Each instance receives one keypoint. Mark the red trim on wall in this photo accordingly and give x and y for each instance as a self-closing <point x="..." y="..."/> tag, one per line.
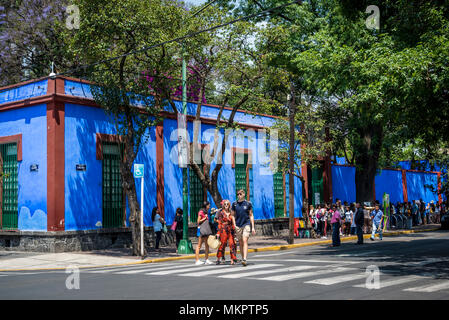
<point x="17" y="138"/>
<point x="160" y="167"/>
<point x="440" y="198"/>
<point x="404" y="185"/>
<point x="104" y="137"/>
<point x="244" y="151"/>
<point x="55" y="167"/>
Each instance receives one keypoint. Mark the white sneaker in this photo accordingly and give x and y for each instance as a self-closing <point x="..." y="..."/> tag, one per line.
<point x="199" y="262"/>
<point x="208" y="262"/>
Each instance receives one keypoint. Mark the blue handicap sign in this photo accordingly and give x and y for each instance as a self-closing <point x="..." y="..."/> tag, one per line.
<point x="138" y="170"/>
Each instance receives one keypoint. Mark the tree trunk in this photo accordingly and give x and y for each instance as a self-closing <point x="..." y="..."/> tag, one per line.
<point x="131" y="192"/>
<point x="366" y="158"/>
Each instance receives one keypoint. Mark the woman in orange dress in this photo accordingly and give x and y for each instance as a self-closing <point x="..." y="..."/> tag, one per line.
<point x="226" y="232"/>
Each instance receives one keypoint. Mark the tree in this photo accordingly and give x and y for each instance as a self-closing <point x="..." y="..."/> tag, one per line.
<point x="31" y="39"/>
<point x="135" y="87"/>
<point x="234" y="61"/>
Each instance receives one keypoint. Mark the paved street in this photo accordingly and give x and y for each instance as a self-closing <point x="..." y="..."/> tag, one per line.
<point x="410" y="267"/>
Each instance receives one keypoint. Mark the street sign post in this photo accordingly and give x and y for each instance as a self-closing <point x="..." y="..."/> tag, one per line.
<point x="139" y="173"/>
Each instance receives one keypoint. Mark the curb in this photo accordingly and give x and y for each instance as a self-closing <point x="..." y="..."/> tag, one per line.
<point x="272" y="248"/>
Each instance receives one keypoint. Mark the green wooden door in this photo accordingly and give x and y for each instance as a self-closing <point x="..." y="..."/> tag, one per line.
<point x="196" y="193"/>
<point x="113" y="209"/>
<point x="8" y="187"/>
<point x="278" y="186"/>
<point x="317" y="186"/>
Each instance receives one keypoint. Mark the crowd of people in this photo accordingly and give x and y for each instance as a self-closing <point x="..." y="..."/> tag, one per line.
<point x="236" y="221"/>
<point x="341" y="219"/>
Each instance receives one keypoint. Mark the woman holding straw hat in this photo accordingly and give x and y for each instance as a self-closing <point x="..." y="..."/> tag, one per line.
<point x="226" y="232"/>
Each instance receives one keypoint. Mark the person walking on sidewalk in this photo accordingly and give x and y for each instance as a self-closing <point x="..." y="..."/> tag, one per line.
<point x="158" y="222"/>
<point x="179" y="226"/>
<point x="226" y="232"/>
<point x="205" y="232"/>
<point x="376" y="216"/>
<point x="242" y="210"/>
<point x="359" y="222"/>
<point x="335" y="222"/>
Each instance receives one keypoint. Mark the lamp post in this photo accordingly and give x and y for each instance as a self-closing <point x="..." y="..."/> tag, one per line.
<point x="185" y="245"/>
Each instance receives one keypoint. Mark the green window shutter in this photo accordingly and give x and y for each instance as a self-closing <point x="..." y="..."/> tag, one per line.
<point x="9" y="186"/>
<point x="113" y="208"/>
<point x="278" y="186"/>
<point x="196" y="193"/>
<point x="317" y="186"/>
<point x="240" y="175"/>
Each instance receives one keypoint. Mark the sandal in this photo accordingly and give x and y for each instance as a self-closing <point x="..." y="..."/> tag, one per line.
<point x="218" y="262"/>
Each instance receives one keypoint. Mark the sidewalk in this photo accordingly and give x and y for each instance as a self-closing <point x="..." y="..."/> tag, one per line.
<point x="14" y="260"/>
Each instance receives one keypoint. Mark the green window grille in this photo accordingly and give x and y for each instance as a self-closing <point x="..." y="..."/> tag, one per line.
<point x="242" y="174"/>
<point x="8" y="187"/>
<point x="113" y="208"/>
<point x="196" y="193"/>
<point x="278" y="186"/>
<point x="317" y="186"/>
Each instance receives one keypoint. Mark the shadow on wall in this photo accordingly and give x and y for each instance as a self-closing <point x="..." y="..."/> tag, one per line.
<point x="147" y="156"/>
<point x="85" y="187"/>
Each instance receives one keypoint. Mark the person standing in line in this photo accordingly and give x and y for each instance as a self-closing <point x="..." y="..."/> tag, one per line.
<point x="422" y="211"/>
<point x="318" y="218"/>
<point x="353" y="225"/>
<point x="226" y="232"/>
<point x="335" y="222"/>
<point x="323" y="215"/>
<point x="157" y="226"/>
<point x="203" y="218"/>
<point x="242" y="210"/>
<point x="414" y="210"/>
<point x="359" y="218"/>
<point x="348" y="220"/>
<point x="376" y="216"/>
<point x="179" y="226"/>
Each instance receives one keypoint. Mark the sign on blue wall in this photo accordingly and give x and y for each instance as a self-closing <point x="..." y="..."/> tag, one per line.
<point x="138" y="170"/>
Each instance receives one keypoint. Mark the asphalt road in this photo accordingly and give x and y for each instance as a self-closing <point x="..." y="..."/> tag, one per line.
<point x="412" y="266"/>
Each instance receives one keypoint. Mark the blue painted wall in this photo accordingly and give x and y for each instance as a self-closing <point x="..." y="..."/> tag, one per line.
<point x="31" y="122"/>
<point x="262" y="185"/>
<point x="343" y="184"/>
<point x="23" y="92"/>
<point x="83" y="189"/>
<point x="389" y="181"/>
<point x="416" y="189"/>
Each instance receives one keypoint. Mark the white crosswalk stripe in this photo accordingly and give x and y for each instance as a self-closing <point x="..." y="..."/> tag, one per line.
<point x="154" y="268"/>
<point x="233" y="269"/>
<point x="135" y="267"/>
<point x="259" y="272"/>
<point x="430" y="288"/>
<point x="337" y="279"/>
<point x="189" y="269"/>
<point x="394" y="282"/>
<point x="309" y="274"/>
